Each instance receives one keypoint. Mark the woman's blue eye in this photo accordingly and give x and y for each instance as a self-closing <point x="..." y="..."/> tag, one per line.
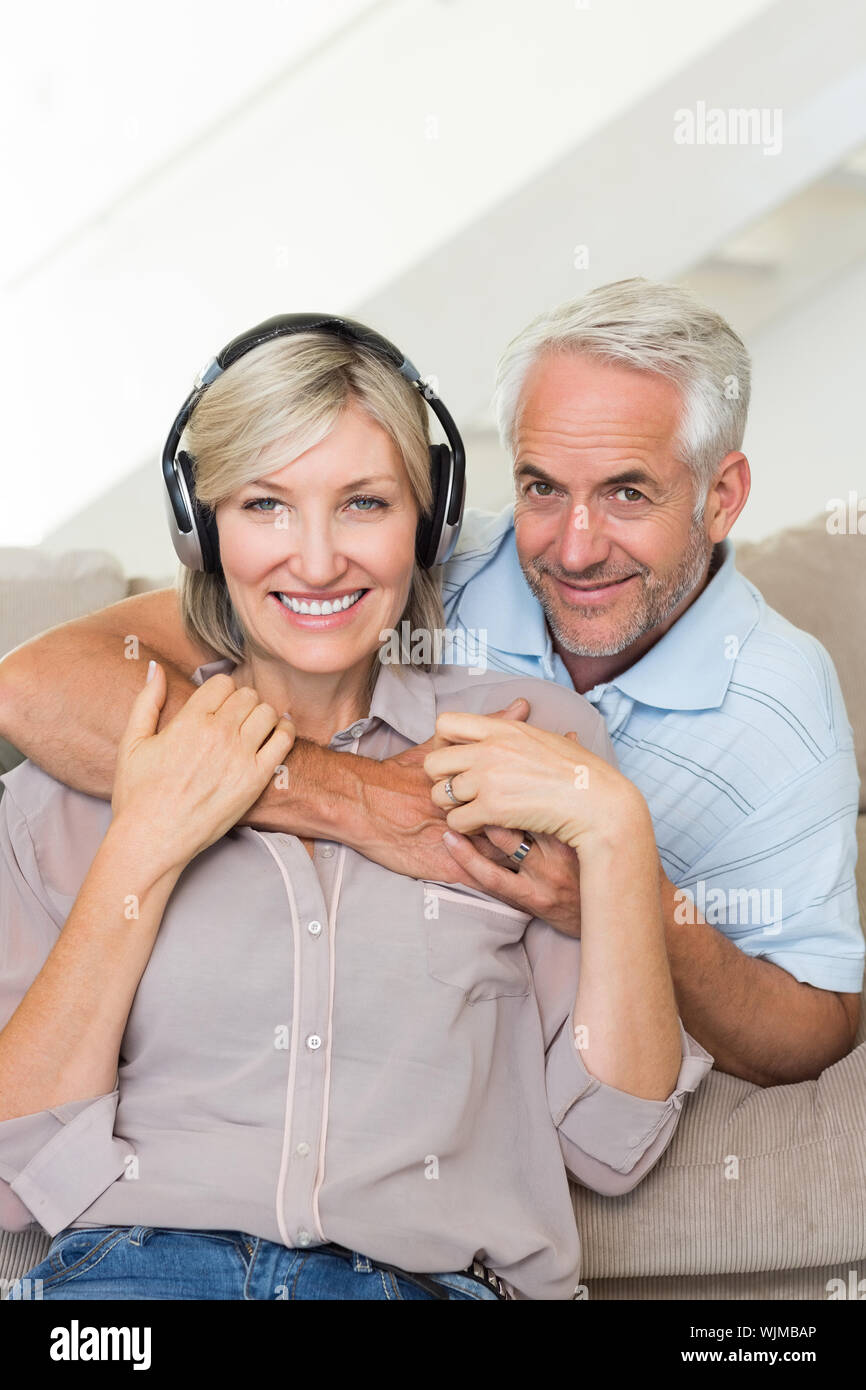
<point x="255" y="505"/>
<point x="376" y="501"/>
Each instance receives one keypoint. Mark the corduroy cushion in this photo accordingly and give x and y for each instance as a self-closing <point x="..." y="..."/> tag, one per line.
<point x="818" y="582"/>
<point x="40" y="589"/>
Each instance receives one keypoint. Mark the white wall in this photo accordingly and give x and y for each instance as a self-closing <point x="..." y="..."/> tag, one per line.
<point x="805" y="438"/>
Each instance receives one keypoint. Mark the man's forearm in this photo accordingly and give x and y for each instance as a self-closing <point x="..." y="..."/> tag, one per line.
<point x="756" y="1019"/>
<point x="65" y="700"/>
<point x="66" y="706"/>
<point x="381" y="809"/>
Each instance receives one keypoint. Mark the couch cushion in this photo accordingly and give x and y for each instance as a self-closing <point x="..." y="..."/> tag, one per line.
<point x="40" y="589"/>
<point x="818" y="582"/>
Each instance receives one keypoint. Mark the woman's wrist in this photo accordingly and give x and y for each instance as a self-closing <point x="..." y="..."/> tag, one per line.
<point x="624" y="822"/>
<point x="152" y="860"/>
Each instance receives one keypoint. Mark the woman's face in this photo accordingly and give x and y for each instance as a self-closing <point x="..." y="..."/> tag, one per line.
<point x="334" y="530"/>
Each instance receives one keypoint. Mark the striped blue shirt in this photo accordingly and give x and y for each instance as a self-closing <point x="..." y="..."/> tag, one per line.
<point x="734" y="729"/>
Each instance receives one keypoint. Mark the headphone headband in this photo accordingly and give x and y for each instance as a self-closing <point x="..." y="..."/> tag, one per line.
<point x="193" y="530"/>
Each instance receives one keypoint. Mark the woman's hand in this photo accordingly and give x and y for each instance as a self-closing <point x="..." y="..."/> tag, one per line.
<point x="178" y="791"/>
<point x="512" y="774"/>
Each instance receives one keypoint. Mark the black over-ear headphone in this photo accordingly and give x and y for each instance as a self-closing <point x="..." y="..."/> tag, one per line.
<point x="193" y="527"/>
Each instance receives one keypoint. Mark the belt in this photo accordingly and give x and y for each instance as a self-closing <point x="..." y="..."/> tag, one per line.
<point x="476" y="1270"/>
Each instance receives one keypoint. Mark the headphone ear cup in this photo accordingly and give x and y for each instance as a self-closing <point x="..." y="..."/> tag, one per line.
<point x="430" y="527"/>
<point x="204" y="523"/>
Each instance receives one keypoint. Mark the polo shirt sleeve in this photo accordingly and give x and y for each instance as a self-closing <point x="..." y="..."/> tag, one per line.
<point x="780" y="884"/>
<point x="56" y="1162"/>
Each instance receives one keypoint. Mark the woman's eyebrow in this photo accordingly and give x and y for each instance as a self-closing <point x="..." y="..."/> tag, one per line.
<point x="369" y="481"/>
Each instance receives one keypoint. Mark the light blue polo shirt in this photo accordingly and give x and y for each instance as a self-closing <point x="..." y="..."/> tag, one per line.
<point x="734" y="729"/>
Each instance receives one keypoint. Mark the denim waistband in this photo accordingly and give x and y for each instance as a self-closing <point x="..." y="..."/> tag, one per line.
<point x="476" y="1271"/>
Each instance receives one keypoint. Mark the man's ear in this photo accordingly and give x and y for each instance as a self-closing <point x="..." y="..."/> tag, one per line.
<point x="727" y="495"/>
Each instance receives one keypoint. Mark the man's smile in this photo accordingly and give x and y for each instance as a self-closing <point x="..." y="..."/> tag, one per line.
<point x="596" y="593"/>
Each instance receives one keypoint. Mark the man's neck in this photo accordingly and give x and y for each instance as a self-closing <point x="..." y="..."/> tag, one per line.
<point x="589" y="671"/>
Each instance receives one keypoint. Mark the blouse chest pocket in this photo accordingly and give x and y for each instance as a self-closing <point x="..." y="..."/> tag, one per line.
<point x="475" y="944"/>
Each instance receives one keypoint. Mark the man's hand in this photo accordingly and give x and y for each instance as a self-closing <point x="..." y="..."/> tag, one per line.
<point x="410" y="825"/>
<point x="546" y="884"/>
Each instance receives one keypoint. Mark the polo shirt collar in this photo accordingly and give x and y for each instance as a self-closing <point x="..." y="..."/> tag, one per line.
<point x="499" y="601"/>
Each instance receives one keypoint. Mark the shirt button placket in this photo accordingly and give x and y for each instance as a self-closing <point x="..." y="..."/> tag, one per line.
<point x="307" y="1102"/>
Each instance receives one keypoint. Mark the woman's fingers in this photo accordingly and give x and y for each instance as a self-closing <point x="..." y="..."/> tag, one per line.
<point x="240" y="703"/>
<point x="468" y="728"/>
<point x="144" y="715"/>
<point x="254" y="729"/>
<point x="445" y="762"/>
<point x="274" y="749"/>
<point x="464" y="787"/>
<point x="210" y="695"/>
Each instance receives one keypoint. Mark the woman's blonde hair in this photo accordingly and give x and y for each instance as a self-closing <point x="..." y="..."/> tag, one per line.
<point x="293" y="390"/>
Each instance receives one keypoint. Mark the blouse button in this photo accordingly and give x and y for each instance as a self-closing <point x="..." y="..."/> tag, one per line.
<point x="303" y="1148"/>
<point x="327" y="851"/>
<point x="304" y="1237"/>
<point x="356" y="730"/>
<point x="314" y="928"/>
<point x="314" y="1042"/>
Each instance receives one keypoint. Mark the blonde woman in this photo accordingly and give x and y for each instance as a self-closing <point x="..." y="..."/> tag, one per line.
<point x="235" y="1064"/>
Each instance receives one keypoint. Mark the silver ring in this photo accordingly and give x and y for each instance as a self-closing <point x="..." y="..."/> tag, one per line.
<point x="449" y="793"/>
<point x="523" y="848"/>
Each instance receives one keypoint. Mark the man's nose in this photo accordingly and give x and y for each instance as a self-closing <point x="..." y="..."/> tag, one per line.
<point x="581" y="542"/>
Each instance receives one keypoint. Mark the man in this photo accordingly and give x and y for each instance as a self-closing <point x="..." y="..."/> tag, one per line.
<point x="623" y="414"/>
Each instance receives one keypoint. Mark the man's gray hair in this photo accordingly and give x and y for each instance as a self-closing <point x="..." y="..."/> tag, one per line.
<point x="655" y="328"/>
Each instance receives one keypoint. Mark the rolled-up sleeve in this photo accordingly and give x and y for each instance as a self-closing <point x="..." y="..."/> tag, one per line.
<point x="53" y="1163"/>
<point x="609" y="1139"/>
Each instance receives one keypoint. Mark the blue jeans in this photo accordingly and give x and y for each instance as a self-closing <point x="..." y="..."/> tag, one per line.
<point x="145" y="1262"/>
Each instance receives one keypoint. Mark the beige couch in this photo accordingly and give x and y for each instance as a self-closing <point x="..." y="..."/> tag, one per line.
<point x="795" y="1217"/>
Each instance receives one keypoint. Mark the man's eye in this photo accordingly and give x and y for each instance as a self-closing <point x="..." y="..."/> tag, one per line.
<point x="257" y="504"/>
<point x="538" y="484"/>
<point x="634" y="490"/>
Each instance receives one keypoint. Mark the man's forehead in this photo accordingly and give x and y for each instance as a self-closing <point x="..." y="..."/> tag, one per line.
<point x="571" y="395"/>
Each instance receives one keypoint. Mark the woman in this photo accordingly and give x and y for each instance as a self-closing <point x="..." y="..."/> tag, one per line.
<point x="236" y="1064"/>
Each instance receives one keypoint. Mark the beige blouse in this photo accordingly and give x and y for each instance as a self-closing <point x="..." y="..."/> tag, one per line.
<point x="322" y="1049"/>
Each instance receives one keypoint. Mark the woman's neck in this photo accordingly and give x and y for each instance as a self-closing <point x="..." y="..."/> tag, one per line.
<point x="321" y="704"/>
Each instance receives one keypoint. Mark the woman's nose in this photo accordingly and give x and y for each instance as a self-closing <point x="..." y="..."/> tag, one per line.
<point x="313" y="556"/>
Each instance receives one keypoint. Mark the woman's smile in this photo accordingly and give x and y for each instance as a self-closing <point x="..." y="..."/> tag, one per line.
<point x="320" y="612"/>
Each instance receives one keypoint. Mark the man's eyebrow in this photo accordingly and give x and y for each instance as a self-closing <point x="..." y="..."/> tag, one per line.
<point x="370" y="481"/>
<point x="628" y="477"/>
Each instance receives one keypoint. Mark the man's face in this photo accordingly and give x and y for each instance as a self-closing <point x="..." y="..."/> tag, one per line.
<point x="603" y="511"/>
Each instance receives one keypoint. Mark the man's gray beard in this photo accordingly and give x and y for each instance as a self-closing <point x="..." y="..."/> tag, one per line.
<point x="659" y="600"/>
